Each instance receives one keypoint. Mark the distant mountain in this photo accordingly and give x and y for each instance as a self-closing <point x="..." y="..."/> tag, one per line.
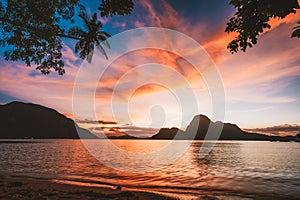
<point x="124" y="137"/>
<point x="167" y="133"/>
<point x="200" y="125"/>
<point x="25" y="120"/>
<point x="297" y="138"/>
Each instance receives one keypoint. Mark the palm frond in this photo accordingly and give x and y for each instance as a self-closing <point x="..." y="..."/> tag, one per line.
<point x="101" y="49"/>
<point x="90" y="56"/>
<point x="106" y="43"/>
<point x="86" y="20"/>
<point x="77" y="32"/>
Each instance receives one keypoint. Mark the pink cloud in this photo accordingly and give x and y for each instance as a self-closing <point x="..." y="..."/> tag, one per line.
<point x="119" y="24"/>
<point x="248" y="77"/>
<point x="139" y="24"/>
<point x="279" y="130"/>
<point x="103" y="20"/>
<point x="69" y="54"/>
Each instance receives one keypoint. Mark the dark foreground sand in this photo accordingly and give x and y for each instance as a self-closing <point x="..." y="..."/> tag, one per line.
<point x="31" y="188"/>
<point x="28" y="187"/>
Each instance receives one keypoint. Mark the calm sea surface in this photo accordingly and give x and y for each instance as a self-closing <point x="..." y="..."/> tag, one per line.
<point x="266" y="170"/>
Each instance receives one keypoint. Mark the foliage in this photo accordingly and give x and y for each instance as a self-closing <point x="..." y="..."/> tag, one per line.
<point x="252" y="17"/>
<point x="115" y="7"/>
<point x="296" y="32"/>
<point x="90" y="38"/>
<point x="32" y="30"/>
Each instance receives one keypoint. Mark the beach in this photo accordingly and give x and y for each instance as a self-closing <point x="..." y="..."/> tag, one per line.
<point x="27" y="188"/>
<point x="18" y="187"/>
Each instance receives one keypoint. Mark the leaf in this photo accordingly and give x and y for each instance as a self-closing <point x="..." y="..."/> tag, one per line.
<point x="113" y="7"/>
<point x="100" y="48"/>
<point x="106" y="43"/>
<point x="296" y="33"/>
<point x="90" y="56"/>
<point x="252" y="19"/>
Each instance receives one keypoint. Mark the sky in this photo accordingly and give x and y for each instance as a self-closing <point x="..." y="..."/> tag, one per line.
<point x="261" y="86"/>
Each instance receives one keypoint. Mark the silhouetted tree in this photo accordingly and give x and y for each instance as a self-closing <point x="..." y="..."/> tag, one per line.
<point x="32" y="30"/>
<point x="113" y="7"/>
<point x="88" y="40"/>
<point x="252" y="18"/>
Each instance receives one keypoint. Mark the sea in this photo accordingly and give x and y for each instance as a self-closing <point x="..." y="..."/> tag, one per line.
<point x="226" y="170"/>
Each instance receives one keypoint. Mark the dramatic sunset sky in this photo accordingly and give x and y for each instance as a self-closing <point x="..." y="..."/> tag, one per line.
<point x="261" y="85"/>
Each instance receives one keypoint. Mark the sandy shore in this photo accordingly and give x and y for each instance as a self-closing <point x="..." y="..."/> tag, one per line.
<point x="32" y="188"/>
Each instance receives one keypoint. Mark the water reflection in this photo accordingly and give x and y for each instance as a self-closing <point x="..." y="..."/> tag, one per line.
<point x="146" y="146"/>
<point x="143" y="155"/>
<point x="256" y="168"/>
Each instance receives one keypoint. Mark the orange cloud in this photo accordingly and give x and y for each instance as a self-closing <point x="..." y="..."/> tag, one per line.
<point x="69" y="115"/>
<point x="248" y="77"/>
<point x="215" y="43"/>
<point x="279" y="130"/>
<point x="291" y="18"/>
<point x="146" y="89"/>
<point x="126" y="63"/>
<point x="28" y="84"/>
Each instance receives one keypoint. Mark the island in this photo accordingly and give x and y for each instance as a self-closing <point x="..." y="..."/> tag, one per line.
<point x="20" y="120"/>
<point x="31" y="121"/>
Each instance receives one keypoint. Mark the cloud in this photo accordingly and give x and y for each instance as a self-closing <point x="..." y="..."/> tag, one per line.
<point x="88" y="121"/>
<point x="69" y="115"/>
<point x="250" y="77"/>
<point x="119" y="25"/>
<point x="212" y="37"/>
<point x="139" y="131"/>
<point x="125" y="74"/>
<point x="264" y="70"/>
<point x="103" y="20"/>
<point x="139" y="24"/>
<point x="68" y="54"/>
<point x="148" y="88"/>
<point x="48" y="90"/>
<point x="113" y="129"/>
<point x="281" y="130"/>
<point x="108" y="131"/>
<point x="106" y="122"/>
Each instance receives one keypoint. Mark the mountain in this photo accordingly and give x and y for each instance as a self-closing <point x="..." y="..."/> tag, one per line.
<point x="200" y="125"/>
<point x="167" y="133"/>
<point x="297" y="138"/>
<point x="124" y="137"/>
<point x="25" y="120"/>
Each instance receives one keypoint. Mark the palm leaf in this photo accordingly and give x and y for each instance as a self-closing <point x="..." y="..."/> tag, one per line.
<point x="106" y="43"/>
<point x="86" y="20"/>
<point x="77" y="32"/>
<point x="90" y="56"/>
<point x="100" y="48"/>
<point x="296" y="33"/>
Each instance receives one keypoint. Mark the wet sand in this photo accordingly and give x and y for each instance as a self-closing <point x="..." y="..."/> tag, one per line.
<point x="32" y="188"/>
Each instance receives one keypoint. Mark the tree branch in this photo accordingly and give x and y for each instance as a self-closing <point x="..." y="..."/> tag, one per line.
<point x="37" y="31"/>
<point x="68" y="36"/>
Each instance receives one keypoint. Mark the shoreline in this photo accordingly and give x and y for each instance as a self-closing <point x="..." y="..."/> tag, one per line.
<point x="19" y="187"/>
<point x="30" y="186"/>
<point x="25" y="187"/>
